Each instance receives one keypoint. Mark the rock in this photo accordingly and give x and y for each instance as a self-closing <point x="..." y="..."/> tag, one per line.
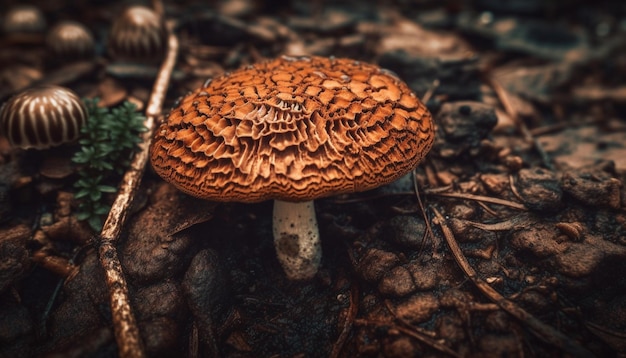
<point x="495" y="183"/>
<point x="84" y="306"/>
<point x="418" y="308"/>
<point x="455" y="298"/>
<point x="407" y="230"/>
<point x="160" y="299"/>
<point x="461" y="126"/>
<point x="544" y="40"/>
<point x="538" y="38"/>
<point x="205" y="290"/>
<point x="397" y="283"/>
<point x="402" y="347"/>
<point x="158" y="244"/>
<point x="498" y="321"/>
<point x="534" y="302"/>
<point x="536" y="83"/>
<point x="14" y="258"/>
<point x="458" y="76"/>
<point x="425" y="275"/>
<point x="375" y="263"/>
<point x="150" y="255"/>
<point x="593" y="188"/>
<point x="15" y="323"/>
<point x="462" y="211"/>
<point x="610" y="314"/>
<point x="540" y="239"/>
<point x="496" y="345"/>
<point x="160" y="336"/>
<point x="451" y="327"/>
<point x="584" y="258"/>
<point x="540" y="189"/>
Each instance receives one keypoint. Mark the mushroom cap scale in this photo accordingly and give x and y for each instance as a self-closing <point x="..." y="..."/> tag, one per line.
<point x="293" y="129"/>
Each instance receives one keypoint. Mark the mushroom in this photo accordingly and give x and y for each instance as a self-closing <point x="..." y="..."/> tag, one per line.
<point x="69" y="40"/>
<point x="42" y="117"/>
<point x="138" y="35"/>
<point x="24" y="19"/>
<point x="293" y="130"/>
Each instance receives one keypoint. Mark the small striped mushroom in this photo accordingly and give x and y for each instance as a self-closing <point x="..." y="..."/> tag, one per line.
<point x="42" y="117"/>
<point x="138" y="35"/>
<point x="23" y="19"/>
<point x="293" y="130"/>
<point x="69" y="40"/>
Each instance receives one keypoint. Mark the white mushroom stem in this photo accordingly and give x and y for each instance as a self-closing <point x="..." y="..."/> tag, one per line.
<point x="297" y="239"/>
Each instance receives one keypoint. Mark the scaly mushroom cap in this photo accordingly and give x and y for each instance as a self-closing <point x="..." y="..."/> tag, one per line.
<point x="293" y="129"/>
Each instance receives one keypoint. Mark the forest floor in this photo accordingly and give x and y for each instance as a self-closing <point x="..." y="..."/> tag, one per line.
<point x="519" y="250"/>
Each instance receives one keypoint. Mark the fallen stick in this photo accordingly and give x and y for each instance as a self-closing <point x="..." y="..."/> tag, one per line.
<point x="541" y="330"/>
<point x="124" y="323"/>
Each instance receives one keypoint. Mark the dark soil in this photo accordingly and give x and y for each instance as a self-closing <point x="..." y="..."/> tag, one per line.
<point x="520" y="249"/>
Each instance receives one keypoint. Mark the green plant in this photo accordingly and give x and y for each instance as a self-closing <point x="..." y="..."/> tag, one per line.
<point x="107" y="143"/>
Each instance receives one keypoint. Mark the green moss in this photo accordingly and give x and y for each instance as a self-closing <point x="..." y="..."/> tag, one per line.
<point x="108" y="141"/>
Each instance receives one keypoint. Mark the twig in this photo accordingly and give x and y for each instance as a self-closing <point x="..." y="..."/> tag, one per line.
<point x="124" y="323"/>
<point x="419" y="333"/>
<point x="66" y="270"/>
<point x="431" y="90"/>
<point x="522" y="220"/>
<point x="503" y="96"/>
<point x="487" y="209"/>
<point x="541" y="330"/>
<point x="59" y="265"/>
<point x="482" y="198"/>
<point x="428" y="341"/>
<point x="347" y="323"/>
<point x="441" y="191"/>
<point x="413" y="331"/>
<point x="514" y="188"/>
<point x="554" y="128"/>
<point x="429" y="229"/>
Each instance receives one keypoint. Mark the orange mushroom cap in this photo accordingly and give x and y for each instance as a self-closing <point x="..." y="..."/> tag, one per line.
<point x="293" y="129"/>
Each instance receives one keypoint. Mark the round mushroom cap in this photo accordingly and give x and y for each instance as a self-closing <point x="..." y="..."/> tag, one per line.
<point x="139" y="34"/>
<point x="69" y="40"/>
<point x="42" y="117"/>
<point x="293" y="129"/>
<point x="24" y="19"/>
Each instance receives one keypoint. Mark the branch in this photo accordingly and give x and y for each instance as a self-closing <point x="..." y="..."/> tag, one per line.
<point x="124" y="323"/>
<point x="541" y="330"/>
